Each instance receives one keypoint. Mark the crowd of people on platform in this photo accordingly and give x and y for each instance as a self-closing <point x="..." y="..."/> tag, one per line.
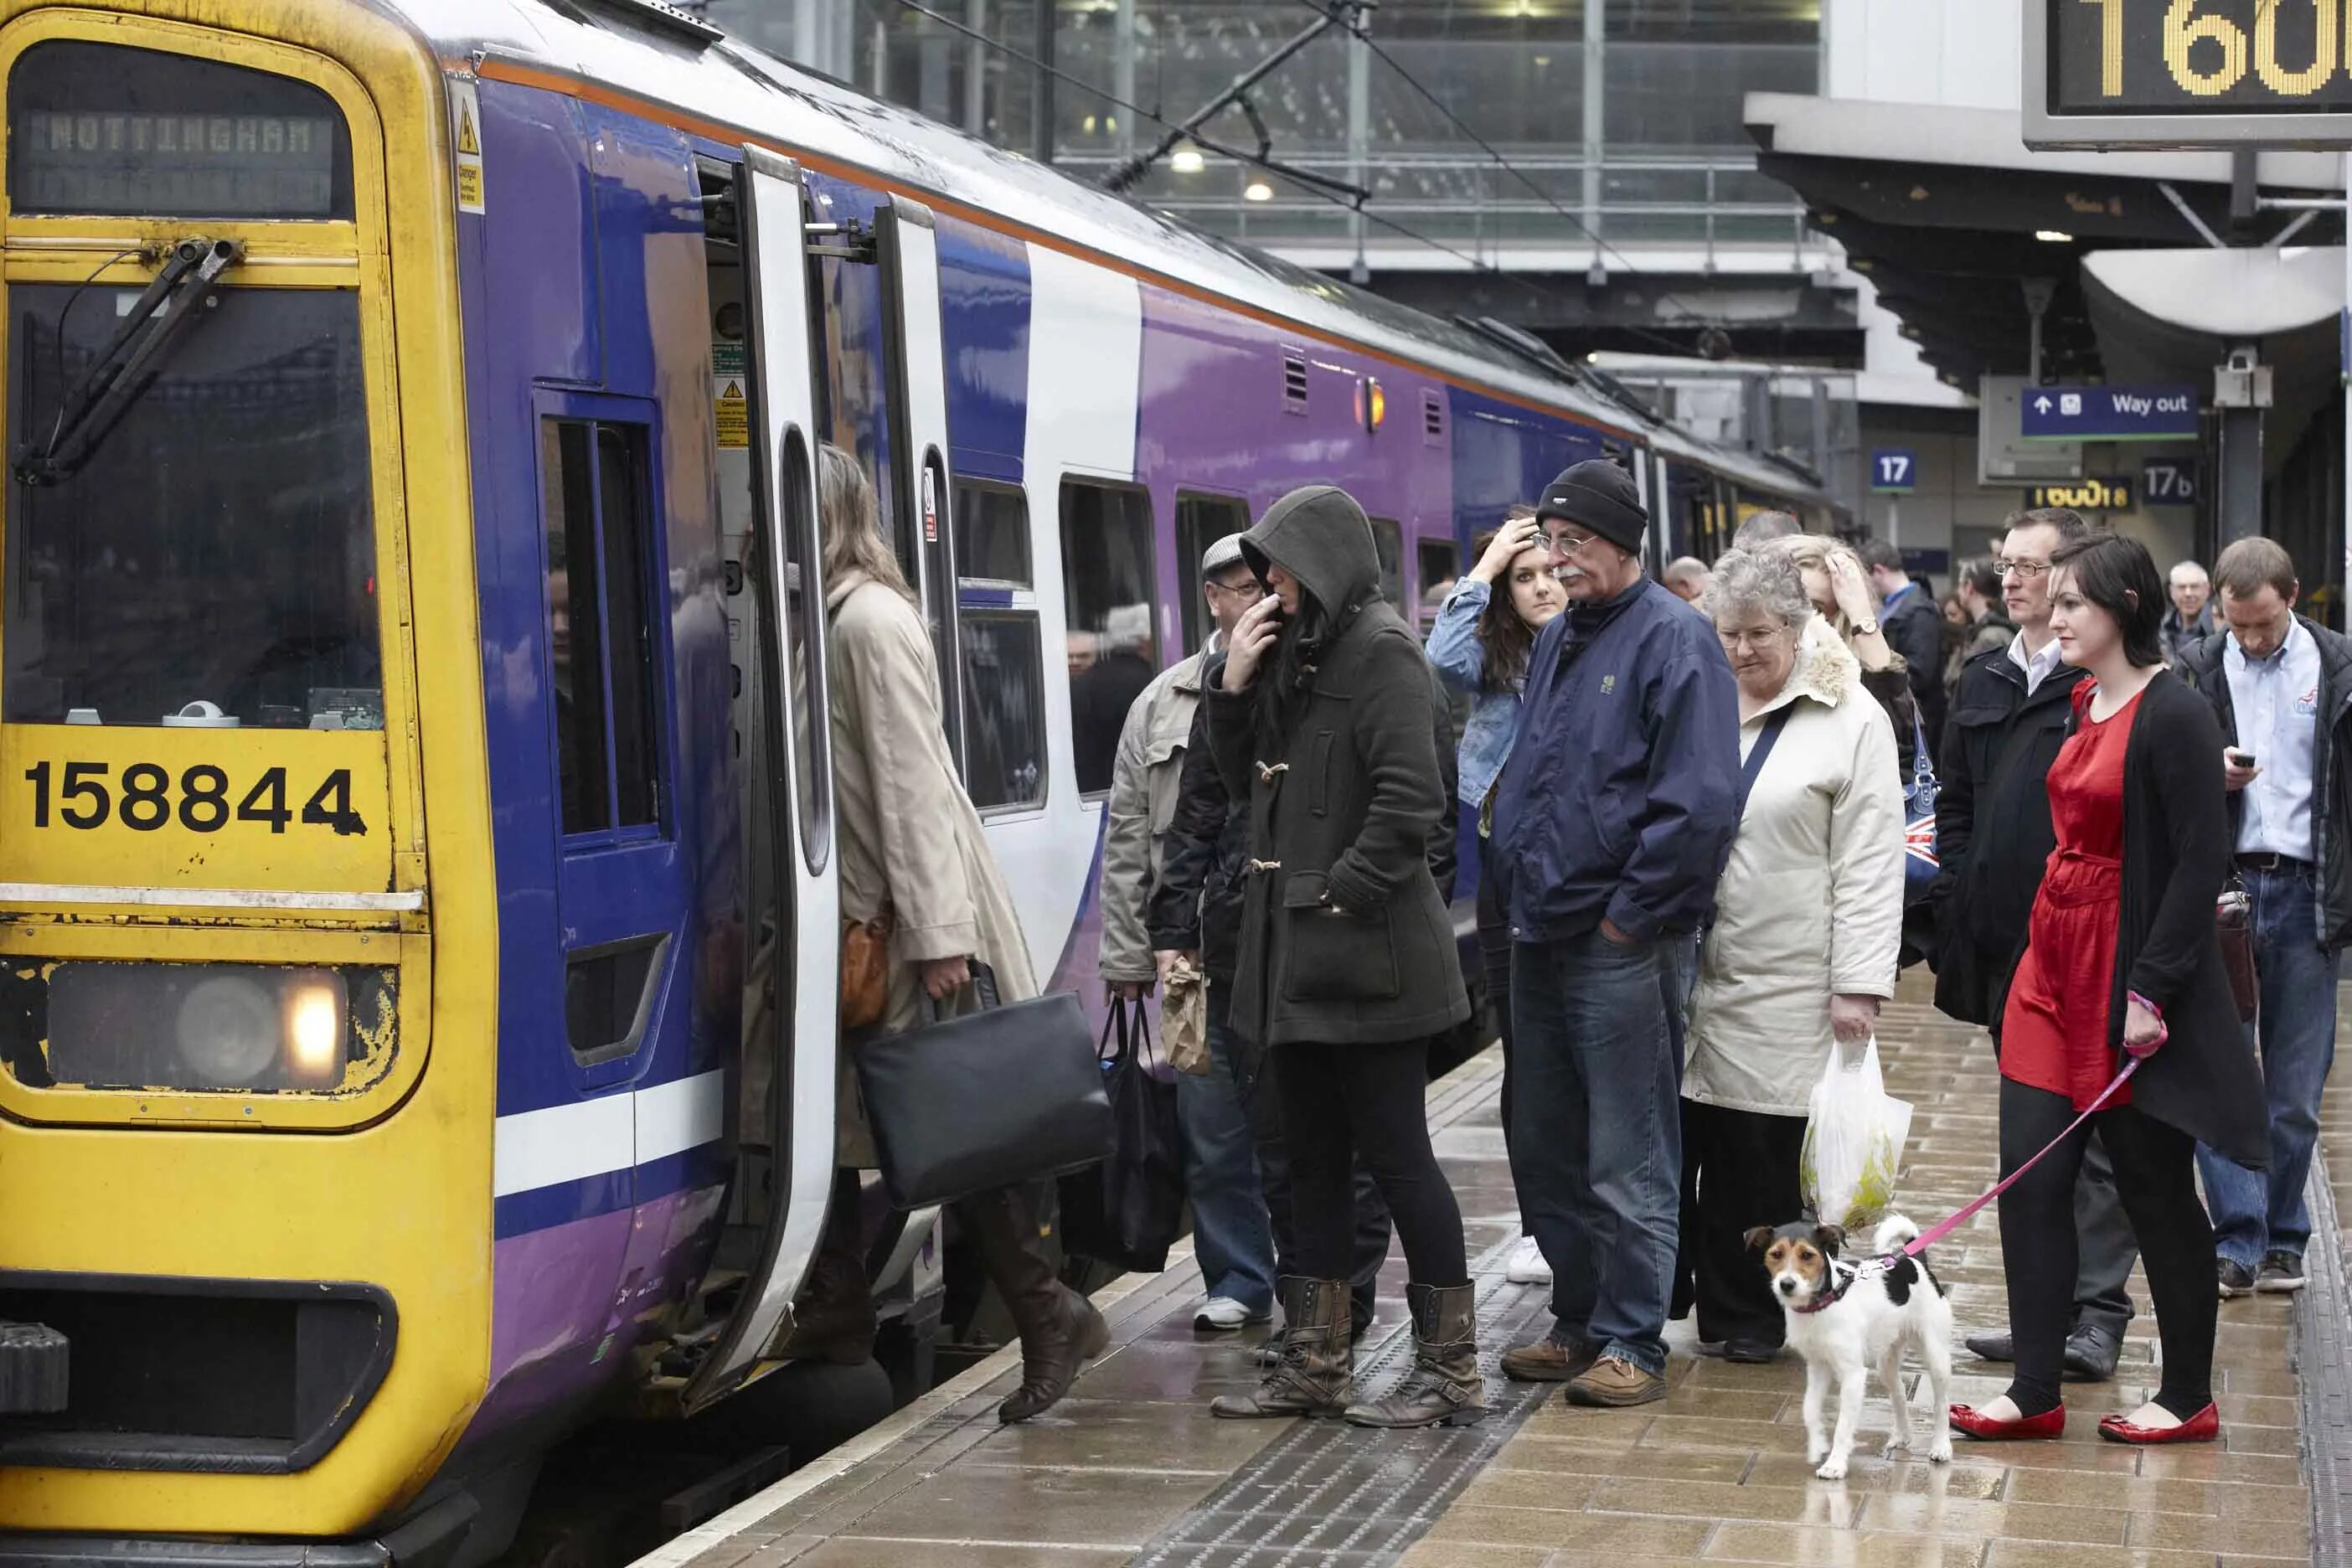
<point x="1689" y="799"/>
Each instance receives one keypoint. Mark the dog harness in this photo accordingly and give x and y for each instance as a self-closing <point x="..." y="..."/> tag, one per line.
<point x="1841" y="1283"/>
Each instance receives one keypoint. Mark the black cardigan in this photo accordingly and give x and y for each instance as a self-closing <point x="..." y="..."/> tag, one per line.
<point x="2204" y="1081"/>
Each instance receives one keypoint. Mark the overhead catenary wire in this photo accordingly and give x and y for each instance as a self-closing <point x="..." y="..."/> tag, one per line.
<point x="1476" y="263"/>
<point x="1362" y="35"/>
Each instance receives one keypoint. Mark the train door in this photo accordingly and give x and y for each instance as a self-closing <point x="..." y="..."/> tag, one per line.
<point x="795" y="969"/>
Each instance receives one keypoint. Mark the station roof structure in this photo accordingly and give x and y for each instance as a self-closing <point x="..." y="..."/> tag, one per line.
<point x="1951" y="217"/>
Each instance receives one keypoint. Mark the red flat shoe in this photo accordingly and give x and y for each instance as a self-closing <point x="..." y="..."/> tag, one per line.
<point x="1984" y="1428"/>
<point x="2205" y="1426"/>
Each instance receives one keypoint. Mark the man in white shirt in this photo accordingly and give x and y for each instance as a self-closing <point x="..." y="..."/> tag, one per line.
<point x="2281" y="687"/>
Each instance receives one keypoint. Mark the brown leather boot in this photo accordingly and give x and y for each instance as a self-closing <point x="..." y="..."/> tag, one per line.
<point x="1060" y="1329"/>
<point x="1443" y="1386"/>
<point x="833" y="1318"/>
<point x="1314" y="1377"/>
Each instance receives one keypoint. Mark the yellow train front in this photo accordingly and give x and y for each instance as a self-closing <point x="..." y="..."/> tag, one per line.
<point x="375" y="914"/>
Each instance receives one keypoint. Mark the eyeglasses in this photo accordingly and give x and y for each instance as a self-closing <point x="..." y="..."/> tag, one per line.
<point x="1252" y="589"/>
<point x="2029" y="570"/>
<point x="1570" y="543"/>
<point x="1734" y="641"/>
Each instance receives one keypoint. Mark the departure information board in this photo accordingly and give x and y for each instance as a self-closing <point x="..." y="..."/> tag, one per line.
<point x="2174" y="73"/>
<point x="99" y="128"/>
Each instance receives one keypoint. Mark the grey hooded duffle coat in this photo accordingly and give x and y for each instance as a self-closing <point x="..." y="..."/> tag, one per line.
<point x="1343" y="935"/>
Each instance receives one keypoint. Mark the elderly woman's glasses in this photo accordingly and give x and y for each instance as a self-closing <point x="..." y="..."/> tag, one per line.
<point x="1751" y="637"/>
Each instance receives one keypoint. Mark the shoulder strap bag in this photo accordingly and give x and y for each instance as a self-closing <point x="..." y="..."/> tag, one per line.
<point x="991" y="1099"/>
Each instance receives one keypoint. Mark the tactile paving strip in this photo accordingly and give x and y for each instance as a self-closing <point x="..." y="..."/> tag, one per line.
<point x="2323" y="1360"/>
<point x="1328" y="1495"/>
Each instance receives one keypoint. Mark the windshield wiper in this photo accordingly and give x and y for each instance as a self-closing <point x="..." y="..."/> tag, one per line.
<point x="126" y="367"/>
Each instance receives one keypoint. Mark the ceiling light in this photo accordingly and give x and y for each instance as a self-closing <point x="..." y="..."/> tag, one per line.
<point x="1257" y="191"/>
<point x="1186" y="159"/>
<point x="2054" y="237"/>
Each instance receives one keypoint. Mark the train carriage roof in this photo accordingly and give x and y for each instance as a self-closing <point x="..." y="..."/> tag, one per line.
<point x="730" y="91"/>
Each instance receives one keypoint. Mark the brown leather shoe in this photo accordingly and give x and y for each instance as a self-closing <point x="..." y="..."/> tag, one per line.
<point x="1613" y="1382"/>
<point x="1548" y="1360"/>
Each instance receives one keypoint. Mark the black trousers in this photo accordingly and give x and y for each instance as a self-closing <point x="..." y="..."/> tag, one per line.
<point x="1740" y="1171"/>
<point x="1495" y="956"/>
<point x="2156" y="1178"/>
<point x="1342" y="1102"/>
<point x="1262" y="1098"/>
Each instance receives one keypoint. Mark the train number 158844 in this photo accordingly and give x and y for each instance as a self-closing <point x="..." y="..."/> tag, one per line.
<point x="141" y="798"/>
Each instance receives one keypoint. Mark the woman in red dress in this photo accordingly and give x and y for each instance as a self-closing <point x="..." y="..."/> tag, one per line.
<point x="2121" y="961"/>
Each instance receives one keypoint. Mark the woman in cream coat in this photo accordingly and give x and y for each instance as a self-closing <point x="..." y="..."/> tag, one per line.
<point x="1808" y="919"/>
<point x="910" y="842"/>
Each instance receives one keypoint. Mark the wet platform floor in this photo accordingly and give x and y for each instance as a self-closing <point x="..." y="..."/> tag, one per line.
<point x="1132" y="1469"/>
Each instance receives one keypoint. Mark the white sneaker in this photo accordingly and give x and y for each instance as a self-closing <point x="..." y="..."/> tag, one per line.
<point x="1224" y="1312"/>
<point x="1527" y="1265"/>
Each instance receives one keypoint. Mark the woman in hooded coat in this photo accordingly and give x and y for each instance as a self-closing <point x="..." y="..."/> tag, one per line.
<point x="1322" y="719"/>
<point x="910" y="843"/>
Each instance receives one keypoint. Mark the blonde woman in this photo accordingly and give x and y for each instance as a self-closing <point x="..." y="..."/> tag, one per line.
<point x="911" y="843"/>
<point x="1840" y="591"/>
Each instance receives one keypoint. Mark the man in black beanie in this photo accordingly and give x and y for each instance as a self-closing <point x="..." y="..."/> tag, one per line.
<point x="1612" y="821"/>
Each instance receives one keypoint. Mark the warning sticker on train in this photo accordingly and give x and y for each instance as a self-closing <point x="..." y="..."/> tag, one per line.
<point x="465" y="139"/>
<point x="734" y="414"/>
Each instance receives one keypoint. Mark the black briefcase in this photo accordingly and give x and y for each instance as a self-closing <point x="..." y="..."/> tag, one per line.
<point x="986" y="1099"/>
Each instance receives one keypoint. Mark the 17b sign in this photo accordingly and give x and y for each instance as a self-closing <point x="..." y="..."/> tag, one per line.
<point x="2168" y="481"/>
<point x="1894" y="471"/>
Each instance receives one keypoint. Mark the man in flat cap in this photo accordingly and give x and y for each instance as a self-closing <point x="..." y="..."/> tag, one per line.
<point x="1613" y="820"/>
<point x="1232" y="1232"/>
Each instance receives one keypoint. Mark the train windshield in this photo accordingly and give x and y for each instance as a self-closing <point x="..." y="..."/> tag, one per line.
<point x="216" y="558"/>
<point x="189" y="531"/>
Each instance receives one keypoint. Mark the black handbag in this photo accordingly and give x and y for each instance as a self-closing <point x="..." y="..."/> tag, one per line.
<point x="985" y="1100"/>
<point x="1131" y="1211"/>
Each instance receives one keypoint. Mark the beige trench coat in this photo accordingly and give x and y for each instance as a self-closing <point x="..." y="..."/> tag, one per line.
<point x="905" y="833"/>
<point x="1810" y="903"/>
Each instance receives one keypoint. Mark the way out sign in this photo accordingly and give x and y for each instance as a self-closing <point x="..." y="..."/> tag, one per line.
<point x="2109" y="413"/>
<point x="1894" y="471"/>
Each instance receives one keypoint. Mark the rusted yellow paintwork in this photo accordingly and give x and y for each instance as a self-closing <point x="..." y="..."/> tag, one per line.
<point x="390" y="1184"/>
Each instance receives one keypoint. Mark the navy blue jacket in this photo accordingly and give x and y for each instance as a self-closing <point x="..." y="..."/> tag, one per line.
<point x="1621" y="797"/>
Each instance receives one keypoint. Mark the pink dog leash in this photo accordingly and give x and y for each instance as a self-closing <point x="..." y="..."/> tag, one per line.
<point x="1943" y="1228"/>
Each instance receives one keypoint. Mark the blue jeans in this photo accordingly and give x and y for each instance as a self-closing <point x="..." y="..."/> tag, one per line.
<point x="1596" y="1142"/>
<point x="1231" y="1235"/>
<point x="2256" y="1212"/>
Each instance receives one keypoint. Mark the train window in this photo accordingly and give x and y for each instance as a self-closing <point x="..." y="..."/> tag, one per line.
<point x="104" y="128"/>
<point x="600" y="577"/>
<point x="1388" y="539"/>
<point x="1440" y="561"/>
<point x="1201" y="522"/>
<point x="220" y="547"/>
<point x="1106" y="584"/>
<point x="1004" y="708"/>
<point x="991" y="533"/>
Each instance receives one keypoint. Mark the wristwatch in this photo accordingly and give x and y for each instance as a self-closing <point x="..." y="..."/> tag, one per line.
<point x="1868" y="628"/>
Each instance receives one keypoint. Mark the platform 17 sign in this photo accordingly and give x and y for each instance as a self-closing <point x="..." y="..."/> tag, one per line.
<point x="2187" y="73"/>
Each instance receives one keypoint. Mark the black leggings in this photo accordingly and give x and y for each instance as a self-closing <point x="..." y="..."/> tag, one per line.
<point x="2155" y="1177"/>
<point x="1340" y="1101"/>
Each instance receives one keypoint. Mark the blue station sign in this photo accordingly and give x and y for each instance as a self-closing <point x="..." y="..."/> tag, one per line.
<point x="2108" y="413"/>
<point x="1894" y="471"/>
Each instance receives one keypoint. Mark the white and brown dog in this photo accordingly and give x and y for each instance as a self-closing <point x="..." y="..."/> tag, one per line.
<point x="1845" y="1317"/>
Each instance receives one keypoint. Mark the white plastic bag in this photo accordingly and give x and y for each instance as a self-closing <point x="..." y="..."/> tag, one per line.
<point x="1854" y="1141"/>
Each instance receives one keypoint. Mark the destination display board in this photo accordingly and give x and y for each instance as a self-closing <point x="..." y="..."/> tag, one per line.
<point x="2187" y="73"/>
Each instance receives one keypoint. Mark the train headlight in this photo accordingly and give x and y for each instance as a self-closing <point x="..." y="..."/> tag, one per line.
<point x="257" y="1028"/>
<point x="225" y="1030"/>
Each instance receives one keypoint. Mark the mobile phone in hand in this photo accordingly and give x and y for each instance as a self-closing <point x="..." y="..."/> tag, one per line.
<point x="2243" y="759"/>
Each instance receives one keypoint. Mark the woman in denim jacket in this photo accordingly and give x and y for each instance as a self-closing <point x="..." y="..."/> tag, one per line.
<point x="1480" y="646"/>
